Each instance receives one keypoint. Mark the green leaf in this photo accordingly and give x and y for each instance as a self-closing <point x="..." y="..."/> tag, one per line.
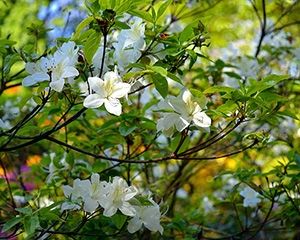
<point x="193" y="57"/>
<point x="26" y="211"/>
<point x="161" y="84"/>
<point x="238" y="96"/>
<point x="37" y="100"/>
<point x="70" y="159"/>
<point x="125" y="130"/>
<point x="144" y="15"/>
<point x="272" y="120"/>
<point x="271" y="97"/>
<point x="24" y="100"/>
<point x="119" y="220"/>
<point x="121" y="25"/>
<point x="7" y="42"/>
<point x="84" y="35"/>
<point x="154" y="17"/>
<point x="11" y="60"/>
<point x="163" y="8"/>
<point x="188" y="31"/>
<point x="149" y="104"/>
<point x="219" y="89"/>
<point x="175" y="142"/>
<point x="8" y="225"/>
<point x="163" y="72"/>
<point x="30" y="224"/>
<point x="95" y="7"/>
<point x="233" y="75"/>
<point x="288" y="113"/>
<point x="51" y="216"/>
<point x="81" y="26"/>
<point x="91" y="46"/>
<point x="273" y="79"/>
<point x="174" y="77"/>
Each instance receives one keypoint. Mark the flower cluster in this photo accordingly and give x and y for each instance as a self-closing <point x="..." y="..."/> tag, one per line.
<point x="129" y="45"/>
<point x="54" y="68"/>
<point x="113" y="196"/>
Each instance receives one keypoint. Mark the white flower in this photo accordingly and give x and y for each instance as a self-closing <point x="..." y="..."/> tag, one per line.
<point x="118" y="197"/>
<point x="186" y="109"/>
<point x="133" y="37"/>
<point x="250" y="197"/>
<point x="68" y="50"/>
<point x="125" y="56"/>
<point x="107" y="91"/>
<point x="53" y="69"/>
<point x="74" y="193"/>
<point x="92" y="192"/>
<point x="149" y="216"/>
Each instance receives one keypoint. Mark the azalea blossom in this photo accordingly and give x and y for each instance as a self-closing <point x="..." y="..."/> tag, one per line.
<point x="133" y="37"/>
<point x="53" y="69"/>
<point x="92" y="192"/>
<point x="107" y="91"/>
<point x="250" y="197"/>
<point x="117" y="197"/>
<point x="125" y="56"/>
<point x="185" y="109"/>
<point x="68" y="50"/>
<point x="89" y="191"/>
<point x="149" y="216"/>
<point x="74" y="193"/>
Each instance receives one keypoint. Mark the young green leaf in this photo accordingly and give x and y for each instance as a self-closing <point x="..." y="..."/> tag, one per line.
<point x="30" y="224"/>
<point x="163" y="8"/>
<point x="8" y="225"/>
<point x="81" y="26"/>
<point x="119" y="220"/>
<point x="161" y="84"/>
<point x="91" y="46"/>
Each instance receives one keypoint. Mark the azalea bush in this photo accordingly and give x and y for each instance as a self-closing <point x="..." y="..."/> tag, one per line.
<point x="151" y="120"/>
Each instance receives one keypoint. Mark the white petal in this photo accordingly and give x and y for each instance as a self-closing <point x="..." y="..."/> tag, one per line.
<point x="31" y="67"/>
<point x="70" y="72"/>
<point x="134" y="225"/>
<point x="129" y="193"/>
<point x="90" y="205"/>
<point x="35" y="78"/>
<point x="57" y="85"/>
<point x="110" y="211"/>
<point x="201" y="119"/>
<point x="120" y="90"/>
<point x="127" y="209"/>
<point x="67" y="190"/>
<point x="98" y="85"/>
<point x="169" y="120"/>
<point x="95" y="178"/>
<point x="93" y="101"/>
<point x="154" y="226"/>
<point x="182" y="123"/>
<point x="112" y="77"/>
<point x="113" y="106"/>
